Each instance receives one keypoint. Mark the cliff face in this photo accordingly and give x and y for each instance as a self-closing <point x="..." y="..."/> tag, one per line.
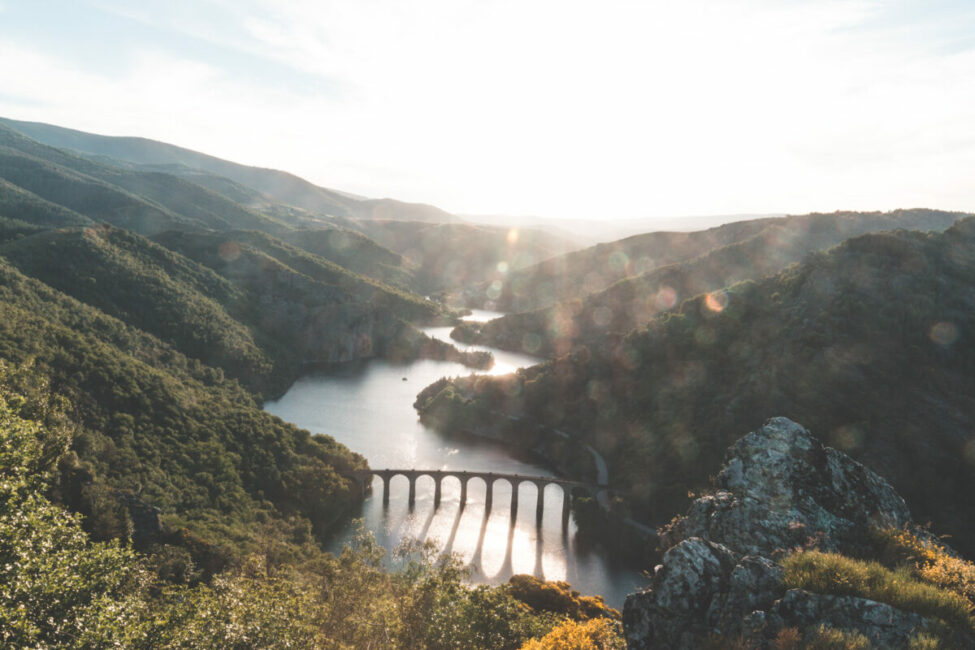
<point x="721" y="577"/>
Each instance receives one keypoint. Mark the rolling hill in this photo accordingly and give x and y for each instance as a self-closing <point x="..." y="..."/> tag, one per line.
<point x="281" y="186"/>
<point x="869" y="343"/>
<point x="633" y="301"/>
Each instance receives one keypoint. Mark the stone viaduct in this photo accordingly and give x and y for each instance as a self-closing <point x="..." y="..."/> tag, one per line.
<point x="364" y="477"/>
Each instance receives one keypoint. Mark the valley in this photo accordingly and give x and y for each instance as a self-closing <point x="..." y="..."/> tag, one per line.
<point x="213" y="354"/>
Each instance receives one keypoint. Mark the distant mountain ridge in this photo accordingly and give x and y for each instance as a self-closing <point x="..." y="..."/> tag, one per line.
<point x="756" y="249"/>
<point x="282" y="186"/>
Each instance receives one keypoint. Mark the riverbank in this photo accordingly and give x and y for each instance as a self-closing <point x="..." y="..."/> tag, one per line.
<point x="601" y="518"/>
<point x="367" y="406"/>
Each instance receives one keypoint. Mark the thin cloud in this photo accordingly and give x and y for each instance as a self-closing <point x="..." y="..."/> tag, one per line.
<point x="564" y="108"/>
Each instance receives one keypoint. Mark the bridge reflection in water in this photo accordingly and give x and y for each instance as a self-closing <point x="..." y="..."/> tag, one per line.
<point x="488" y="479"/>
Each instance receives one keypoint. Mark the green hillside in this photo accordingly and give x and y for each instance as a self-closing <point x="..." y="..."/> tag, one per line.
<point x="577" y="273"/>
<point x="149" y="288"/>
<point x="93" y="198"/>
<point x="162" y="351"/>
<point x="449" y="256"/>
<point x="634" y="301"/>
<point x="169" y="429"/>
<point x="193" y="204"/>
<point x="281" y="186"/>
<point x="869" y="344"/>
<point x="356" y="252"/>
<point x="30" y="208"/>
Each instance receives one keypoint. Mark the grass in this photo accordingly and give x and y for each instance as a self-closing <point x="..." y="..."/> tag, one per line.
<point x="928" y="560"/>
<point x="831" y="573"/>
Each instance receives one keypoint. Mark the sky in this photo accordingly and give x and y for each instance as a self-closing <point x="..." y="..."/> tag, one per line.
<point x="599" y="110"/>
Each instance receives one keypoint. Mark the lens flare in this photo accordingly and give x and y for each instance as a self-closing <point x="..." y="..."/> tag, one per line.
<point x="494" y="291"/>
<point x="618" y="261"/>
<point x="716" y="301"/>
<point x="666" y="298"/>
<point x="512" y="236"/>
<point x="944" y="333"/>
<point x="531" y="342"/>
<point x="229" y="251"/>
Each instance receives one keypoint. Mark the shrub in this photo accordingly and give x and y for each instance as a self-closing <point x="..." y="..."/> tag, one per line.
<point x="594" y="634"/>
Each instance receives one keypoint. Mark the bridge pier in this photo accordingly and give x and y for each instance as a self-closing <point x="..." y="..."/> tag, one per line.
<point x="363" y="479"/>
<point x="488" y="495"/>
<point x="514" y="498"/>
<point x="566" y="504"/>
<point x="540" y="503"/>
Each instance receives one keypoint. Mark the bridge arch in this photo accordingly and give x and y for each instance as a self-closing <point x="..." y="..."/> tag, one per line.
<point x="542" y="485"/>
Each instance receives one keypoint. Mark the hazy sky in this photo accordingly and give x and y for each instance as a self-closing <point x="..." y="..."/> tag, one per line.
<point x="600" y="109"/>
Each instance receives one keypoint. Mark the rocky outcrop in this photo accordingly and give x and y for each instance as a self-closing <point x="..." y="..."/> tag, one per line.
<point x="779" y="489"/>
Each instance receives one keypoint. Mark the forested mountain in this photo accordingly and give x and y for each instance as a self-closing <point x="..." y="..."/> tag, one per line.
<point x="151" y="187"/>
<point x="151" y="295"/>
<point x="580" y="272"/>
<point x="281" y="186"/>
<point x="774" y="242"/>
<point x="150" y="288"/>
<point x="633" y="301"/>
<point x="870" y="344"/>
<point x="450" y="256"/>
<point x="173" y="431"/>
<point x="356" y="252"/>
<point x="162" y="348"/>
<point x="142" y="483"/>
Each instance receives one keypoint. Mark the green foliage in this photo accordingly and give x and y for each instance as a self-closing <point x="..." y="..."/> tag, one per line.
<point x="243" y="608"/>
<point x="831" y="573"/>
<point x="29" y="208"/>
<point x="629" y="297"/>
<point x="56" y="589"/>
<point x="179" y="433"/>
<point x="857" y="344"/>
<point x="147" y="287"/>
<point x="356" y="252"/>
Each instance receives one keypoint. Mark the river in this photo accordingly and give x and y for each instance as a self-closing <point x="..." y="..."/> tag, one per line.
<point x="368" y="406"/>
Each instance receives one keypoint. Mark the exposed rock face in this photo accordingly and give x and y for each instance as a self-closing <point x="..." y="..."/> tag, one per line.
<point x="780" y="489"/>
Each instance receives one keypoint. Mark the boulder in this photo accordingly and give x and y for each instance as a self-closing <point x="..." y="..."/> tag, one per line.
<point x="780" y="489"/>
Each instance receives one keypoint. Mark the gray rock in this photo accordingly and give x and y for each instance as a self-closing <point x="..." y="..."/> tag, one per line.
<point x="680" y="596"/>
<point x="883" y="625"/>
<point x="780" y="489"/>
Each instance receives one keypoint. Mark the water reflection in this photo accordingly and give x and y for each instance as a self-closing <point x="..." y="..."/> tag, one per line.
<point x="369" y="408"/>
<point x="495" y="545"/>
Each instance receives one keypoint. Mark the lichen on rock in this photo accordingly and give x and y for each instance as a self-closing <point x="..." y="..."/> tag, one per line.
<point x="780" y="489"/>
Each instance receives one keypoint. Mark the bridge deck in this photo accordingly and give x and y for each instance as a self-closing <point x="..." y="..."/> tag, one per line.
<point x="466" y="474"/>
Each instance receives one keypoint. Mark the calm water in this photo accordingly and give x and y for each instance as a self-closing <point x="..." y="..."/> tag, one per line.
<point x="368" y="407"/>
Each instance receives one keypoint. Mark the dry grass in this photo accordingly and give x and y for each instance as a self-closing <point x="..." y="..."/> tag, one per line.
<point x="831" y="573"/>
